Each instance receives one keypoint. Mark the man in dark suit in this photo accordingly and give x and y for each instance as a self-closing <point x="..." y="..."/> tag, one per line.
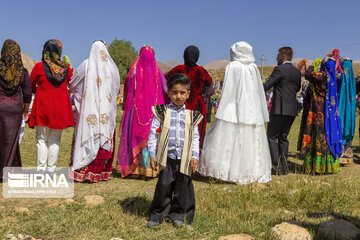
<point x="286" y="82"/>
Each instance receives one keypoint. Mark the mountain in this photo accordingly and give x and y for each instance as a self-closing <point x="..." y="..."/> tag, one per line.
<point x="221" y="65"/>
<point x="172" y="63"/>
<point x="27" y="62"/>
<point x="165" y="67"/>
<point x="295" y="61"/>
<point x="217" y="65"/>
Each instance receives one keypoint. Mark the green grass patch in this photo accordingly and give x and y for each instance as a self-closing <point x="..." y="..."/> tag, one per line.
<point x="221" y="208"/>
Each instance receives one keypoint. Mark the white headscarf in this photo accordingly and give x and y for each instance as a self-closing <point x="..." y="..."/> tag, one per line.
<point x="95" y="86"/>
<point x="243" y="97"/>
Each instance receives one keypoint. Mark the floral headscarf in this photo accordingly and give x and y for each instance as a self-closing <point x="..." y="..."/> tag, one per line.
<point x="11" y="67"/>
<point x="56" y="70"/>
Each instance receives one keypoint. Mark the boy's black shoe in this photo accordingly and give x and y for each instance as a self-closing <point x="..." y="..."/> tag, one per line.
<point x="152" y="224"/>
<point x="178" y="223"/>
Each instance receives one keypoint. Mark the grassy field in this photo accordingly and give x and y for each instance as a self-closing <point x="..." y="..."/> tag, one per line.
<point x="222" y="208"/>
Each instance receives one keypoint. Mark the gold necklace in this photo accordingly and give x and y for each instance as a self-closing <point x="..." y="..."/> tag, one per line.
<point x="156" y="95"/>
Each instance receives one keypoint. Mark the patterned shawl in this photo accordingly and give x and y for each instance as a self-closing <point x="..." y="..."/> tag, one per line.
<point x="145" y="86"/>
<point x="333" y="130"/>
<point x="11" y="67"/>
<point x="56" y="70"/>
<point x="301" y="64"/>
<point x="347" y="101"/>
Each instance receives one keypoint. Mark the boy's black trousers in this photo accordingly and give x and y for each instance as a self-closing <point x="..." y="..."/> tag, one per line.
<point x="174" y="195"/>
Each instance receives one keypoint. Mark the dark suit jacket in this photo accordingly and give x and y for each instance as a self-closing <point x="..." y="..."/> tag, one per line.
<point x="286" y="82"/>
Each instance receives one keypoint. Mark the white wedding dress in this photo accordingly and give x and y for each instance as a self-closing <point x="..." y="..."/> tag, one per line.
<point x="235" y="146"/>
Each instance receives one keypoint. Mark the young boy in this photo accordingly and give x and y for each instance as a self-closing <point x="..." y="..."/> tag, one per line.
<point x="177" y="153"/>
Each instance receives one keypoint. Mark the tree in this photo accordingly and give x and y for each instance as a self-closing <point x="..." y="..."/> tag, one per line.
<point x="124" y="54"/>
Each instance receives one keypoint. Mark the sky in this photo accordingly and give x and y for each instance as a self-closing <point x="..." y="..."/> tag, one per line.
<point x="311" y="27"/>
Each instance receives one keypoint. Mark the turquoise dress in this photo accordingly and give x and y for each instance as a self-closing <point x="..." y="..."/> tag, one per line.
<point x="347" y="102"/>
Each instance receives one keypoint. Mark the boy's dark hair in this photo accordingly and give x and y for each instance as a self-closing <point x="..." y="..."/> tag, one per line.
<point x="178" y="78"/>
<point x="287" y="51"/>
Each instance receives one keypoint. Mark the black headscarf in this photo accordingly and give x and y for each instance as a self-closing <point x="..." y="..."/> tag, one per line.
<point x="11" y="67"/>
<point x="191" y="55"/>
<point x="56" y="70"/>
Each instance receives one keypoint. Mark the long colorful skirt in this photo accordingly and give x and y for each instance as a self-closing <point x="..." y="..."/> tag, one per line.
<point x="98" y="170"/>
<point x="143" y="169"/>
<point x="312" y="141"/>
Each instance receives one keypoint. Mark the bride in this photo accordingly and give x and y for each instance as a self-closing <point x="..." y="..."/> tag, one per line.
<point x="235" y="146"/>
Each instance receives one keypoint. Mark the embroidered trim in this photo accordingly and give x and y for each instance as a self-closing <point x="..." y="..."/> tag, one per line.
<point x="91" y="177"/>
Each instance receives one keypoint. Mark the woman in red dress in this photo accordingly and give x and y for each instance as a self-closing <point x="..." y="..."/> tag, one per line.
<point x="51" y="111"/>
<point x="200" y="82"/>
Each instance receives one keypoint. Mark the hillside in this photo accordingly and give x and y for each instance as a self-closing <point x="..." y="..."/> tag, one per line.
<point x="27" y="62"/>
<point x="356" y="68"/>
<point x="165" y="67"/>
<point x="218" y="75"/>
<point x="216" y="65"/>
<point x="172" y="63"/>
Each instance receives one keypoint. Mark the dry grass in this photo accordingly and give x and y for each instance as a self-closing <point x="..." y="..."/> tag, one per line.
<point x="222" y="208"/>
<point x="356" y="68"/>
<point x="217" y="75"/>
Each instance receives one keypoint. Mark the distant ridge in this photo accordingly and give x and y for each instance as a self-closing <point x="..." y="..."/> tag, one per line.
<point x="165" y="67"/>
<point x="172" y="63"/>
<point x="27" y="62"/>
<point x="295" y="61"/>
<point x="221" y="65"/>
<point x="217" y="65"/>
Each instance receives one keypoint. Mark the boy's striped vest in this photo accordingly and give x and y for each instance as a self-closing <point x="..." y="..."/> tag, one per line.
<point x="192" y="118"/>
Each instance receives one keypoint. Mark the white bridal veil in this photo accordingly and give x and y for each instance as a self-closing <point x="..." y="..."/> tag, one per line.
<point x="243" y="97"/>
<point x="95" y="86"/>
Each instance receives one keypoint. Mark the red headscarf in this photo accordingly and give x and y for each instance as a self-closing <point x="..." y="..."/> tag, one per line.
<point x="336" y="56"/>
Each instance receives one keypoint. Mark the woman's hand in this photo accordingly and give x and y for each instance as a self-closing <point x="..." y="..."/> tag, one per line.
<point x="26" y="112"/>
<point x="26" y="117"/>
<point x="330" y="54"/>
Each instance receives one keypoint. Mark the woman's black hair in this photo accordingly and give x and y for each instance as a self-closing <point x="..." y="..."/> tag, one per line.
<point x="178" y="78"/>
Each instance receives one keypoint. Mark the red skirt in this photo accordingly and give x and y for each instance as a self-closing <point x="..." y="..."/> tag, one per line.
<point x="98" y="170"/>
